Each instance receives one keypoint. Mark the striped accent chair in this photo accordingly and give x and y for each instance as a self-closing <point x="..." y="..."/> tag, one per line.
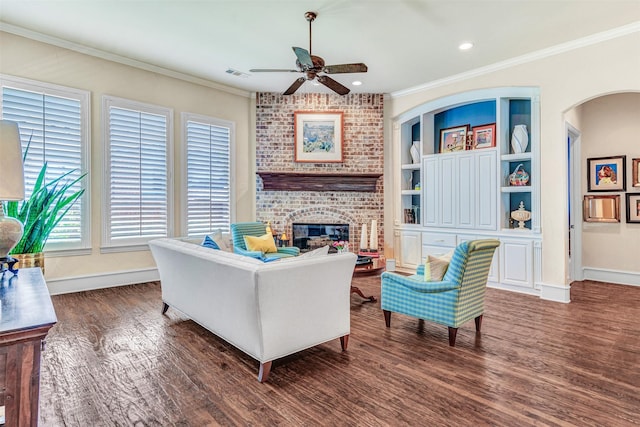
<point x="459" y="297"/>
<point x="257" y="229"/>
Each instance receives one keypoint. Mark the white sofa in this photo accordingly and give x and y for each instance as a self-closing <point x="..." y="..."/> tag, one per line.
<point x="268" y="310"/>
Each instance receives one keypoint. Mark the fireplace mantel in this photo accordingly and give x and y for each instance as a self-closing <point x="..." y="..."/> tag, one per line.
<point x="297" y="181"/>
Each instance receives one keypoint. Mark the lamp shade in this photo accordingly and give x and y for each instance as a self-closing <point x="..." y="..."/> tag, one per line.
<point x="11" y="169"/>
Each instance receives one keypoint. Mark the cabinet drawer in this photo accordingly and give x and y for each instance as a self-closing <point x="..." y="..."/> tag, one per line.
<point x="435" y="239"/>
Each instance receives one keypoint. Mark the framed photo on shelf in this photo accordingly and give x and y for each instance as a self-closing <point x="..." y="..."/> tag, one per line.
<point x="633" y="207"/>
<point x="318" y="136"/>
<point x="601" y="208"/>
<point x="453" y="139"/>
<point x="484" y="136"/>
<point x="606" y="173"/>
<point x="635" y="169"/>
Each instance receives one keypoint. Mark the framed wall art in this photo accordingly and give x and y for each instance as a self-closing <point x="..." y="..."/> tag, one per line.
<point x="484" y="136"/>
<point x="601" y="208"/>
<point x="635" y="169"/>
<point x="633" y="207"/>
<point x="318" y="136"/>
<point x="453" y="139"/>
<point x="606" y="173"/>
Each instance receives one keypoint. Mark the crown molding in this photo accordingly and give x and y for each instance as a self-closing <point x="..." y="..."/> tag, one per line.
<point x="76" y="47"/>
<point x="523" y="59"/>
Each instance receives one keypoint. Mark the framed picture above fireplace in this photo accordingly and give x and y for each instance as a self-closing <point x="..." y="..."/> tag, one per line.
<point x="318" y="136"/>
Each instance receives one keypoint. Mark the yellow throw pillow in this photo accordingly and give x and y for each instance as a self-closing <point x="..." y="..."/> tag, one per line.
<point x="264" y="244"/>
<point x="436" y="267"/>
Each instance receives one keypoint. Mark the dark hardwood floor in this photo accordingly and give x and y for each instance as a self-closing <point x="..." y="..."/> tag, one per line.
<point x="114" y="360"/>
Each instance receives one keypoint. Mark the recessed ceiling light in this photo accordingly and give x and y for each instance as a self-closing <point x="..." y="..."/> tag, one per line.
<point x="315" y="83"/>
<point x="357" y="83"/>
<point x="465" y="46"/>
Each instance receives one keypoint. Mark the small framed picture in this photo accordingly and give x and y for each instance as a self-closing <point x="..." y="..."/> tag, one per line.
<point x="606" y="173"/>
<point x="601" y="208"/>
<point x="318" y="136"/>
<point x="453" y="139"/>
<point x="484" y="136"/>
<point x="633" y="207"/>
<point x="635" y="168"/>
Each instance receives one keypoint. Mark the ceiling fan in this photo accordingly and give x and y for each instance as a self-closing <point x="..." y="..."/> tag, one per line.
<point x="313" y="65"/>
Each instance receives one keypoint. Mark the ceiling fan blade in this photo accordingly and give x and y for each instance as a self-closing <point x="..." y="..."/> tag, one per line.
<point x="303" y="57"/>
<point x="345" y="68"/>
<point x="272" y="70"/>
<point x="294" y="87"/>
<point x="333" y="85"/>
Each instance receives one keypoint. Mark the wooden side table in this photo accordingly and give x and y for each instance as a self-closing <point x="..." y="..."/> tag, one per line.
<point x="376" y="266"/>
<point x="26" y="315"/>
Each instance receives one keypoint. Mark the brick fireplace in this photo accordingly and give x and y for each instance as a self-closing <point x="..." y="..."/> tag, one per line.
<point x="339" y="195"/>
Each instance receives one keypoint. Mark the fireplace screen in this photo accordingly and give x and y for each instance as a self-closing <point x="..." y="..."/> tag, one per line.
<point x="308" y="237"/>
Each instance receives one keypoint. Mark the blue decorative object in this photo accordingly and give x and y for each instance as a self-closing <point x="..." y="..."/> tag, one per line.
<point x="208" y="242"/>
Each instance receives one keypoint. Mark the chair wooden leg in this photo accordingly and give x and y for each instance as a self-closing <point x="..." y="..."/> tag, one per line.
<point x="387" y="318"/>
<point x="165" y="307"/>
<point x="344" y="342"/>
<point x="452" y="336"/>
<point x="265" y="369"/>
<point x="478" y="323"/>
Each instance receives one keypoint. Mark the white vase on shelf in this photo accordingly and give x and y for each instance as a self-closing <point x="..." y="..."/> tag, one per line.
<point x="415" y="152"/>
<point x="519" y="139"/>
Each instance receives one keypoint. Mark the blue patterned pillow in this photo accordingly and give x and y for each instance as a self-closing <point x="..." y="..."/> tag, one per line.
<point x="208" y="242"/>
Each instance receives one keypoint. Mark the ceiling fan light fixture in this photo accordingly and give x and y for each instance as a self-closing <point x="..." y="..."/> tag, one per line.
<point x="465" y="46"/>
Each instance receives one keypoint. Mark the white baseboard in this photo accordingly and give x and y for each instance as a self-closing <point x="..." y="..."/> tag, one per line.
<point x="611" y="276"/>
<point x="557" y="293"/>
<point x="99" y="281"/>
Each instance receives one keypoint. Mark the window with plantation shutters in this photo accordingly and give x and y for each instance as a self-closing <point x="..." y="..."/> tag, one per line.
<point x="137" y="196"/>
<point x="54" y="124"/>
<point x="208" y="192"/>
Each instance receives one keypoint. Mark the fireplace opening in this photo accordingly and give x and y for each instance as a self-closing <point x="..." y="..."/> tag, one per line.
<point x="308" y="237"/>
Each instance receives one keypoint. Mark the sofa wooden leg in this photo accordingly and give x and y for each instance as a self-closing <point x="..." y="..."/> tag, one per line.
<point x="452" y="336"/>
<point x="265" y="369"/>
<point x="344" y="342"/>
<point x="387" y="318"/>
<point x="165" y="307"/>
<point x="478" y="323"/>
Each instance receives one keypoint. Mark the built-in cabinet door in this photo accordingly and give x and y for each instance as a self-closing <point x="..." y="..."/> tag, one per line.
<point x="516" y="266"/>
<point x="465" y="193"/>
<point x="486" y="182"/>
<point x="448" y="184"/>
<point x="430" y="186"/>
<point x="410" y="249"/>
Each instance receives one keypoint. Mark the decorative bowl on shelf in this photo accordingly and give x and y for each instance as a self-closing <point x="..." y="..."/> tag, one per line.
<point x="519" y="177"/>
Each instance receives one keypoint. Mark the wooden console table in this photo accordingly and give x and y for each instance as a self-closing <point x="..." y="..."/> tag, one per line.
<point x="26" y="315"/>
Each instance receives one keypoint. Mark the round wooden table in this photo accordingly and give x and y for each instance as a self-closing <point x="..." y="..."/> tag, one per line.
<point x="376" y="266"/>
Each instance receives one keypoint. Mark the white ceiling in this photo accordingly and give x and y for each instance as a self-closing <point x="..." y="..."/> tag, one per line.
<point x="405" y="43"/>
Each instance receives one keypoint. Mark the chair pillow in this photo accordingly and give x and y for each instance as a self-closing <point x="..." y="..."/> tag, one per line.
<point x="436" y="267"/>
<point x="208" y="242"/>
<point x="264" y="243"/>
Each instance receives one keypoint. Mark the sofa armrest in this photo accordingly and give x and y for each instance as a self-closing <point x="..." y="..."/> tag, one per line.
<point x="252" y="254"/>
<point x="290" y="250"/>
<point x="417" y="283"/>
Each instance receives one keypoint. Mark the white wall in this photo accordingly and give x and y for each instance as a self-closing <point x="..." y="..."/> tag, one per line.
<point x="31" y="59"/>
<point x="565" y="79"/>
<point x="611" y="127"/>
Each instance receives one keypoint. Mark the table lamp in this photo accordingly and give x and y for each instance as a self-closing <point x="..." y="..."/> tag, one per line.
<point x="11" y="185"/>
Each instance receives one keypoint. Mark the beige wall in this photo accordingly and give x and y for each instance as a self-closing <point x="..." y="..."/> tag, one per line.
<point x="610" y="127"/>
<point x="565" y="80"/>
<point x="47" y="63"/>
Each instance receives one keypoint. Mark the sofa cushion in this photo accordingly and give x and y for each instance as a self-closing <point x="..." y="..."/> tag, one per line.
<point x="436" y="267"/>
<point x="264" y="243"/>
<point x="223" y="242"/>
<point x="208" y="242"/>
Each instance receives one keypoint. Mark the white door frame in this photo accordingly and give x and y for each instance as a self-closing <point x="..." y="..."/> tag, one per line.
<point x="575" y="271"/>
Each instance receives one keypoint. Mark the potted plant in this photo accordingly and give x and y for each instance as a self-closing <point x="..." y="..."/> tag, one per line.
<point x="40" y="213"/>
